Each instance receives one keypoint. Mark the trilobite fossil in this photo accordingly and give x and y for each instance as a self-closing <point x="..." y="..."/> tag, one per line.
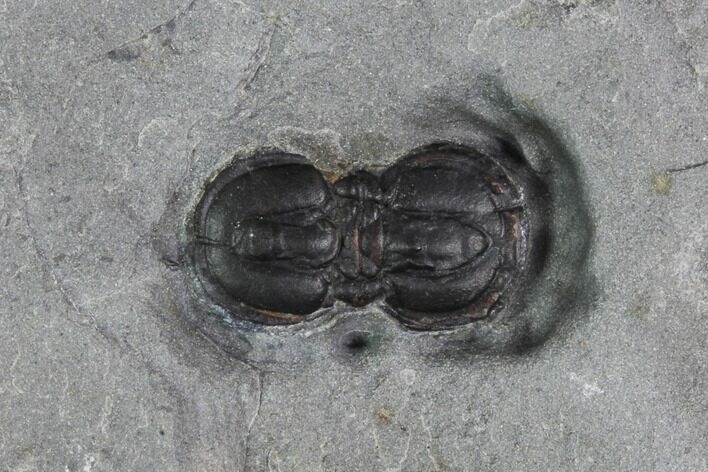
<point x="443" y="237"/>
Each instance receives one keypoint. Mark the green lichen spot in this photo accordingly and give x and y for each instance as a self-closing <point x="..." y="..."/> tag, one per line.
<point x="661" y="183"/>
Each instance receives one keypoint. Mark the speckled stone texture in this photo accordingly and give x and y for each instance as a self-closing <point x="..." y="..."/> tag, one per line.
<point x="112" y="116"/>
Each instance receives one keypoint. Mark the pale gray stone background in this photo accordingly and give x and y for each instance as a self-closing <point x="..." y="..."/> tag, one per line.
<point x="108" y="109"/>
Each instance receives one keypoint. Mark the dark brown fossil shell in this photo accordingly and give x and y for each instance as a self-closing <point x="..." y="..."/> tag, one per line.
<point x="445" y="236"/>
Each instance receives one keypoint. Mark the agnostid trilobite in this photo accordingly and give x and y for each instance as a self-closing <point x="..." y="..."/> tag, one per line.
<point x="441" y="238"/>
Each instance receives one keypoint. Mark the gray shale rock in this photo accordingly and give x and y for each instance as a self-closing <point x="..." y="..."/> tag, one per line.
<point x="114" y="114"/>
